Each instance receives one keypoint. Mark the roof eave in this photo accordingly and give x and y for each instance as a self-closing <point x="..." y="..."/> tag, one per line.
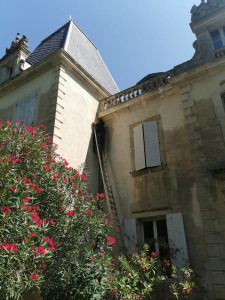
<point x="58" y="57"/>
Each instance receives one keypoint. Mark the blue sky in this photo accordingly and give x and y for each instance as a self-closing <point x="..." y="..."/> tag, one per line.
<point x="134" y="37"/>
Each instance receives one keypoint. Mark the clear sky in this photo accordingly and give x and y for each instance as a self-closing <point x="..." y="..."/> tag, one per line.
<point x="134" y="37"/>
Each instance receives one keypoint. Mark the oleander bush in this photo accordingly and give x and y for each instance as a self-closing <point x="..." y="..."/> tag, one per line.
<point x="54" y="235"/>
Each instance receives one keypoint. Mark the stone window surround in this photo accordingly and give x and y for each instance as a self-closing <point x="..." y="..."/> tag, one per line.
<point x="161" y="147"/>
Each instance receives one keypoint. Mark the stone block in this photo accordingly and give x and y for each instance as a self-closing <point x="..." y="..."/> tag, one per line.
<point x="213" y="238"/>
<point x="208" y="214"/>
<point x="216" y="265"/>
<point x="185" y="97"/>
<point x="191" y="119"/>
<point x="185" y="89"/>
<point x="213" y="251"/>
<point x="220" y="292"/>
<point x="187" y="103"/>
<point x="209" y="226"/>
<point x="188" y="111"/>
<point x="218" y="277"/>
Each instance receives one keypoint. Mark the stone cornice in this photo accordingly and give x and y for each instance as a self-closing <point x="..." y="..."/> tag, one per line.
<point x="59" y="57"/>
<point x="198" y="73"/>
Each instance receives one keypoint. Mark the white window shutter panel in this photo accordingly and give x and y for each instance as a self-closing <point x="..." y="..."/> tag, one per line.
<point x="139" y="151"/>
<point x="130" y="233"/>
<point x="25" y="110"/>
<point x="151" y="140"/>
<point x="177" y="239"/>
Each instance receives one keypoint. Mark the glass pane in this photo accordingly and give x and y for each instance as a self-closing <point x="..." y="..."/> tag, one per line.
<point x="216" y="39"/>
<point x="149" y="235"/>
<point x="163" y="239"/>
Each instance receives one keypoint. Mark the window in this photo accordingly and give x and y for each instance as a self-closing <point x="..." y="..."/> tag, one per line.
<point x="164" y="235"/>
<point x="146" y="145"/>
<point x="218" y="38"/>
<point x="25" y="110"/>
<point x="156" y="236"/>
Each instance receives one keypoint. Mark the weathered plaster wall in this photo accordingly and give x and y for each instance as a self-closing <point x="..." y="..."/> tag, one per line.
<point x="41" y="85"/>
<point x="153" y="193"/>
<point x="79" y="105"/>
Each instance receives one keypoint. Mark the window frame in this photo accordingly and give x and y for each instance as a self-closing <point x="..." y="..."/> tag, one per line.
<point x="221" y="31"/>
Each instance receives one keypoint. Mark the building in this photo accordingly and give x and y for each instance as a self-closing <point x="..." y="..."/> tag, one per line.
<point x="165" y="136"/>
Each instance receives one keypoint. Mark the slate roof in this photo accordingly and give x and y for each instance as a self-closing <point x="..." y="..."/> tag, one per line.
<point x="70" y="38"/>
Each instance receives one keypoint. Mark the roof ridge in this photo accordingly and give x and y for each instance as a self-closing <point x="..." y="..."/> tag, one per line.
<point x="83" y="32"/>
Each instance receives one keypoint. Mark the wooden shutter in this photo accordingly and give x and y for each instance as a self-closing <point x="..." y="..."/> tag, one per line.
<point x="139" y="151"/>
<point x="130" y="233"/>
<point x="151" y="141"/>
<point x="25" y="110"/>
<point x="177" y="239"/>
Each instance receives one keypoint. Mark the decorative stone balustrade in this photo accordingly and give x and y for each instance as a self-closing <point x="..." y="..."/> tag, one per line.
<point x="220" y="52"/>
<point x="135" y="91"/>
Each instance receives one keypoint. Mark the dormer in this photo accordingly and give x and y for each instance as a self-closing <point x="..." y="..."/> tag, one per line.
<point x="13" y="61"/>
<point x="208" y="24"/>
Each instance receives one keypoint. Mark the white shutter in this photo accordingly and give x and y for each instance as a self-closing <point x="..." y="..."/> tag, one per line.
<point x="177" y="239"/>
<point x="139" y="151"/>
<point x="130" y="232"/>
<point x="151" y="140"/>
<point x="25" y="110"/>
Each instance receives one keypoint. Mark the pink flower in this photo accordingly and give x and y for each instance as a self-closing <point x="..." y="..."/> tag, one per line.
<point x="31" y="234"/>
<point x="92" y="257"/>
<point x="41" y="250"/>
<point x="5" y="210"/>
<point x="84" y="177"/>
<point x="15" y="249"/>
<point x="51" y="242"/>
<point x="26" y="199"/>
<point x="34" y="276"/>
<point x="88" y="212"/>
<point x="100" y="195"/>
<point x="12" y="188"/>
<point x="46" y="167"/>
<point x="70" y="213"/>
<point x="51" y="221"/>
<point x="39" y="190"/>
<point x="110" y="239"/>
<point x="39" y="223"/>
<point x="153" y="254"/>
<point x="46" y="238"/>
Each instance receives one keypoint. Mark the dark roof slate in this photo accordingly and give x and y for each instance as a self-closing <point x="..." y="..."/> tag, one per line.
<point x="70" y="38"/>
<point x="49" y="45"/>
